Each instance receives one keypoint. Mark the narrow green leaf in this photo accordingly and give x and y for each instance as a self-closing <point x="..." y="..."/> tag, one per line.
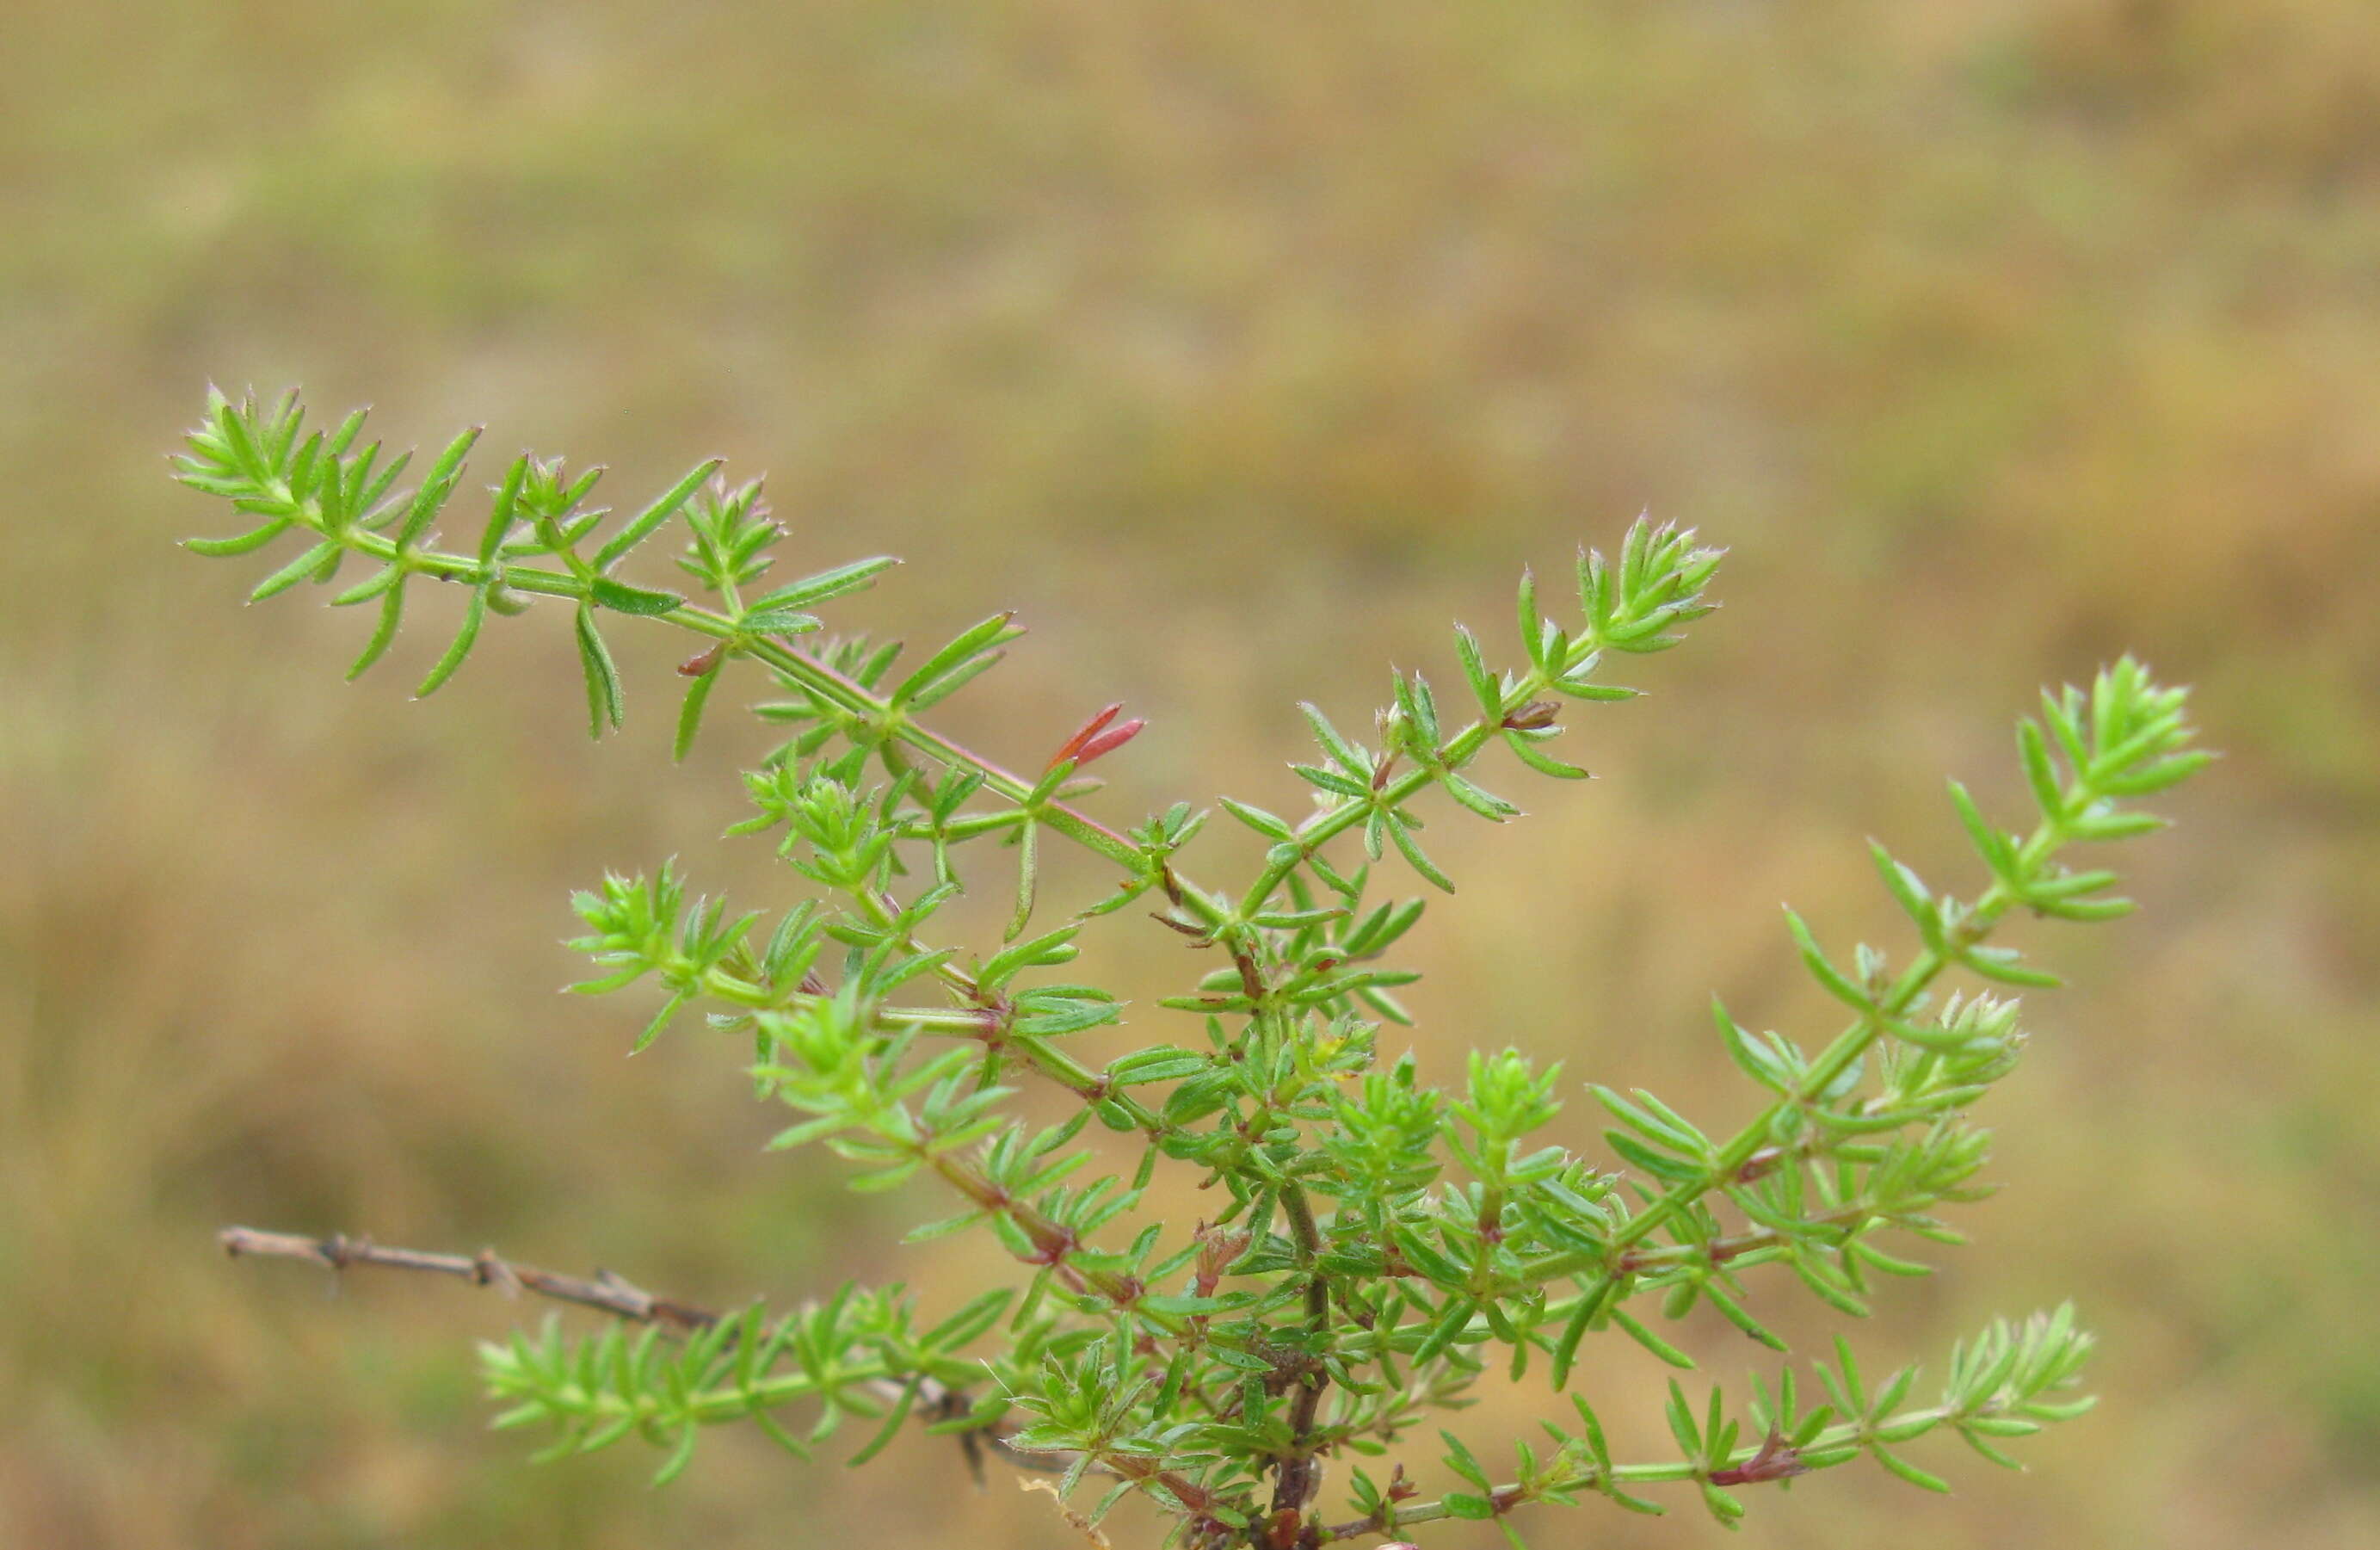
<point x="1421" y="709"/>
<point x="1680" y="1417"/>
<point x="2085" y="909"/>
<point x="1910" y="1471"/>
<point x="1345" y="754"/>
<point x="2153" y="778"/>
<point x="826" y="584"/>
<point x="344" y="436"/>
<point x="1998" y="851"/>
<point x="1337" y="785"/>
<point x="1487" y="804"/>
<point x="1573" y="1331"/>
<point x="1412" y="851"/>
<point x="1661" y="1165"/>
<point x="232" y="424"/>
<point x="1449" y="1323"/>
<point x="1461" y="1461"/>
<point x="689" y="714"/>
<point x="1533" y="623"/>
<point x="969" y="655"/>
<point x="247" y="543"/>
<point x="2101" y="822"/>
<point x="361" y="493"/>
<point x="978" y="1315"/>
<point x="1725" y="1509"/>
<point x="1840" y="986"/>
<point x="661" y="1021"/>
<point x="603" y="694"/>
<point x="391" y="613"/>
<point x="1908" y="891"/>
<point x="1256" y="818"/>
<point x="1484" y="687"/>
<point x="1651" y="1341"/>
<point x="1976" y="1442"/>
<point x="620" y="598"/>
<point x="304" y="566"/>
<point x="506" y="511"/>
<point x="2039" y="770"/>
<point x="436" y="488"/>
<point x="375" y="585"/>
<point x="894" y="1421"/>
<point x="1824" y="1284"/>
<point x="474" y="612"/>
<point x="1753" y="1057"/>
<point x="1735" y="1313"/>
<point x="2005" y="965"/>
<point x="641" y="526"/>
<point x="680" y="1456"/>
<point x="1027" y="877"/>
<point x="780" y="621"/>
<point x="1524" y="748"/>
<point x="1164" y="1063"/>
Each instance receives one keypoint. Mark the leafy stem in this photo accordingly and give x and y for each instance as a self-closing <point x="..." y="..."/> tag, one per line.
<point x="1369" y="1247"/>
<point x="256" y="486"/>
<point x="2124" y="741"/>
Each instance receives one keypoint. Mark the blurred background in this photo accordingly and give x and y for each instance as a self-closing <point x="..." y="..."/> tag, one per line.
<point x="1242" y="349"/>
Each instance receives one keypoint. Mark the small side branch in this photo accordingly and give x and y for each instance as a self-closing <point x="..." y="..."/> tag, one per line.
<point x="605" y="1293"/>
<point x="608" y="1293"/>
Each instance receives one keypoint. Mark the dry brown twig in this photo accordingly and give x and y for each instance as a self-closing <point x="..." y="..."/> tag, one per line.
<point x="604" y="1293"/>
<point x="608" y="1293"/>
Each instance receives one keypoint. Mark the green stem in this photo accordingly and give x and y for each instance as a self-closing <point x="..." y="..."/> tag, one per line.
<point x="1848" y="1047"/>
<point x="822" y="680"/>
<point x="1834" y="1438"/>
<point x="1458" y="752"/>
<point x="954" y="1021"/>
<point x="1040" y="1054"/>
<point x="854" y="698"/>
<point x="1051" y="1240"/>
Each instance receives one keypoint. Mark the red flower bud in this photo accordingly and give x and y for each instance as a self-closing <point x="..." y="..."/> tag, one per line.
<point x="1094" y="738"/>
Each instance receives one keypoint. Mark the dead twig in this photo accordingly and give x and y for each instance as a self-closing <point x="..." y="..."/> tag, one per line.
<point x="608" y="1293"/>
<point x="605" y="1293"/>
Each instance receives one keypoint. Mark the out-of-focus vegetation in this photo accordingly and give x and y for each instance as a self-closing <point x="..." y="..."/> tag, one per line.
<point x="2024" y="334"/>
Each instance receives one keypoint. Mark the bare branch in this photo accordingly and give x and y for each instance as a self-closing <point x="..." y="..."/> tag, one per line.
<point x="608" y="1293"/>
<point x="605" y="1293"/>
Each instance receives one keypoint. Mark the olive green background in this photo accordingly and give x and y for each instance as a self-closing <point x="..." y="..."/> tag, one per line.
<point x="1242" y="349"/>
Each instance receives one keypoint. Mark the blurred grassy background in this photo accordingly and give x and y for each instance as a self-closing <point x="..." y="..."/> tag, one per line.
<point x="1240" y="349"/>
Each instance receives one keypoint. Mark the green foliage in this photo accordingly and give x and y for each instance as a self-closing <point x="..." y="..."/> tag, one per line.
<point x="1376" y="1245"/>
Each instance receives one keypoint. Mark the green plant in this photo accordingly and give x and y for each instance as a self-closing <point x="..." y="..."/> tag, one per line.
<point x="1376" y="1244"/>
